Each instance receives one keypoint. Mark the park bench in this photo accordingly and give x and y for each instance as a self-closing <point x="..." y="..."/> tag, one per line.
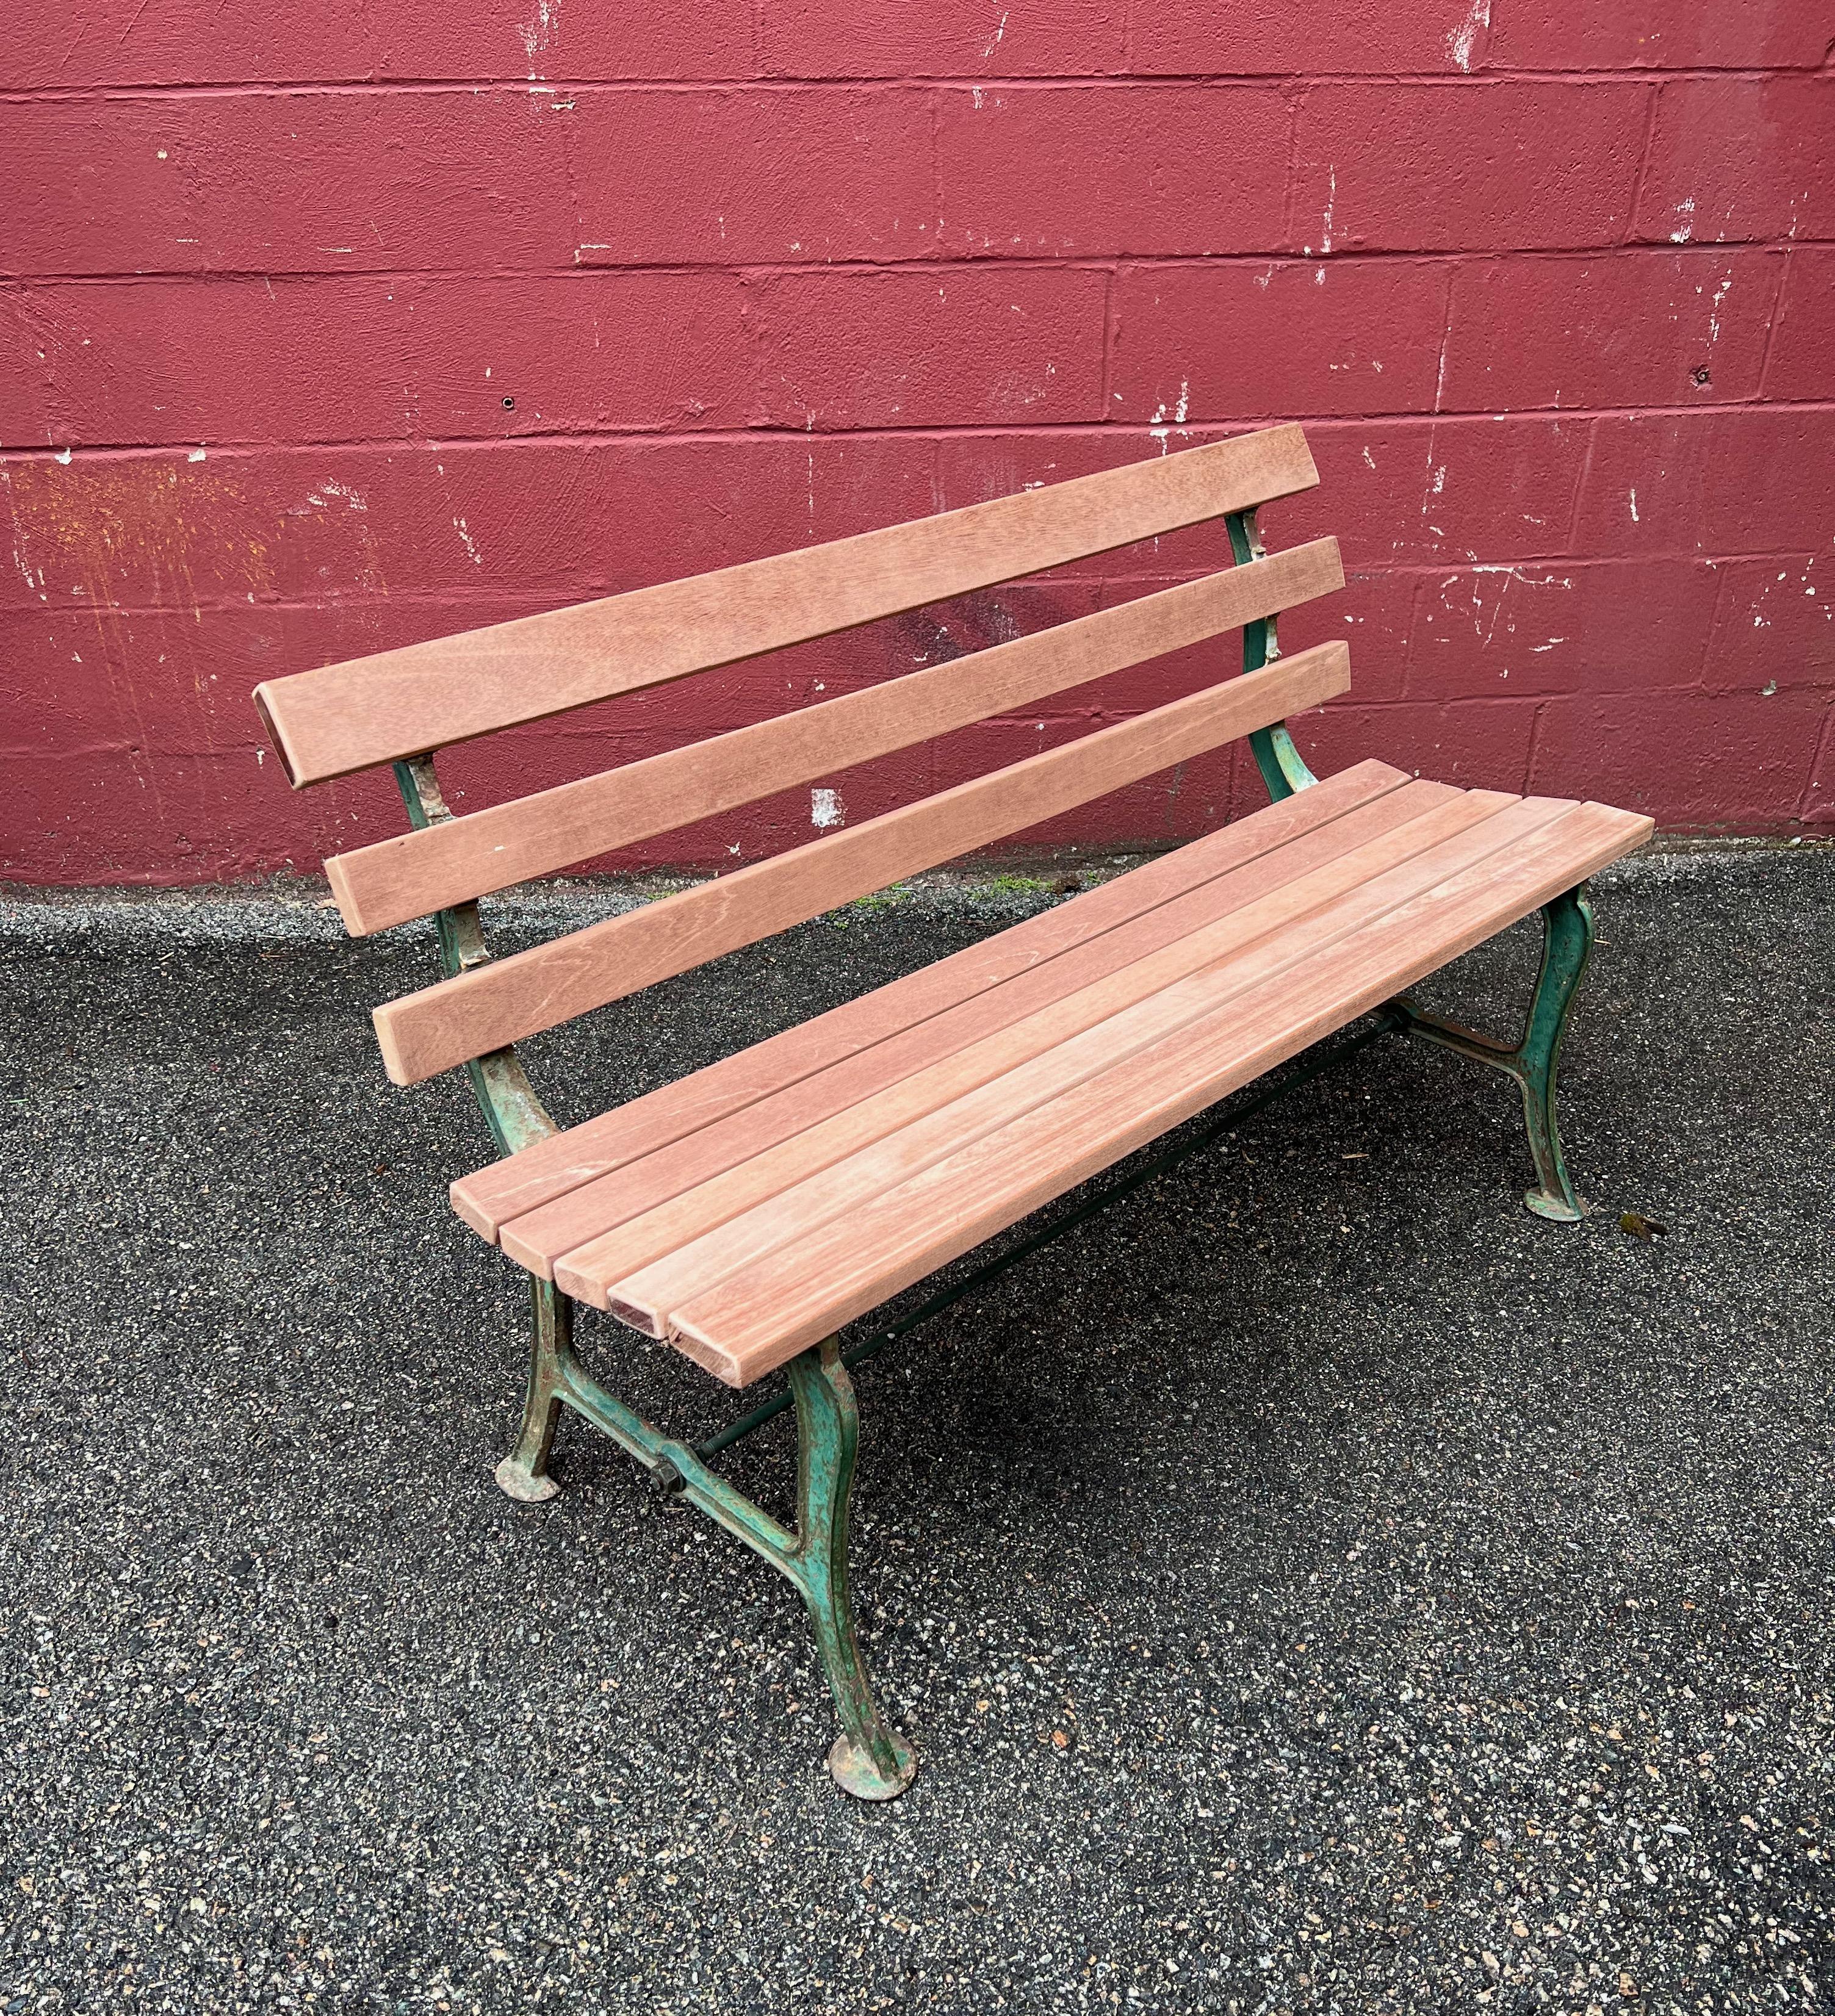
<point x="747" y="1213"/>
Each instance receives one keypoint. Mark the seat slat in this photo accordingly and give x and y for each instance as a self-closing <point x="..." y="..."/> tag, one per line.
<point x="807" y="1288"/>
<point x="522" y="1183"/>
<point x="339" y="719"/>
<point x="412" y="873"/>
<point x="930" y="1120"/>
<point x="1000" y="1025"/>
<point x="977" y="1038"/>
<point x="508" y="1000"/>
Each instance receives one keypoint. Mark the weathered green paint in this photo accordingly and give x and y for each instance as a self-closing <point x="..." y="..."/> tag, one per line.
<point x="1283" y="769"/>
<point x="522" y="1473"/>
<point x="1567" y="945"/>
<point x="868" y="1759"/>
<point x="515" y="1116"/>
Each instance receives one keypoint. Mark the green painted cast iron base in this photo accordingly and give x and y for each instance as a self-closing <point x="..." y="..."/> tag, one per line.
<point x="1567" y="945"/>
<point x="870" y="1759"/>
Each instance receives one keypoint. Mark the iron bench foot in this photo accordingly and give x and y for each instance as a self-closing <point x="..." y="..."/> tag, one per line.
<point x="869" y="1759"/>
<point x="1567" y="945"/>
<point x="523" y="1475"/>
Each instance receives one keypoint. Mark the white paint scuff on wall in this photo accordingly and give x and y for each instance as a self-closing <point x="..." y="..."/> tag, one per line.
<point x="826" y="808"/>
<point x="1461" y="42"/>
<point x="538" y="34"/>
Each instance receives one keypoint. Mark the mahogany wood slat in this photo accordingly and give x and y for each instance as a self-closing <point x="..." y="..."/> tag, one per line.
<point x="521" y="1184"/>
<point x="809" y="1287"/>
<point x="412" y="873"/>
<point x="686" y="1249"/>
<point x="508" y="1000"/>
<point x="654" y="1206"/>
<point x="343" y="717"/>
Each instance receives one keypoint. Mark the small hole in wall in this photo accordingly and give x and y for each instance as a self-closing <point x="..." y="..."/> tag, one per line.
<point x="1700" y="375"/>
<point x="509" y="404"/>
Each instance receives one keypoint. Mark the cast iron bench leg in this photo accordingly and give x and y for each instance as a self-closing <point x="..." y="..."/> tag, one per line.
<point x="524" y="1473"/>
<point x="1567" y="945"/>
<point x="868" y="1759"/>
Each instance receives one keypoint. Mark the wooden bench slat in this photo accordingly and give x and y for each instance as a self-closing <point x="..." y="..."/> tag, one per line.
<point x="644" y="1271"/>
<point x="508" y="1000"/>
<point x="412" y="873"/>
<point x="521" y="1184"/>
<point x="807" y="1289"/>
<point x="339" y="719"/>
<point x="977" y="1038"/>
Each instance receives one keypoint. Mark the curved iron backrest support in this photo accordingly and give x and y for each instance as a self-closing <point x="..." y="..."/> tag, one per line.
<point x="1283" y="769"/>
<point x="514" y="1114"/>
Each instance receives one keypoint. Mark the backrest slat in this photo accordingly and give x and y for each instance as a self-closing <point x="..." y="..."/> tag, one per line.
<point x="414" y="873"/>
<point x="501" y="1002"/>
<point x="344" y="717"/>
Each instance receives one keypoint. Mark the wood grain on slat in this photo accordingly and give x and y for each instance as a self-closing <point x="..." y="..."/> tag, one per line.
<point x="343" y="717"/>
<point x="805" y="1290"/>
<point x="522" y="1183"/>
<point x="513" y="998"/>
<point x="645" y="1270"/>
<point x="963" y="1047"/>
<point x="412" y="873"/>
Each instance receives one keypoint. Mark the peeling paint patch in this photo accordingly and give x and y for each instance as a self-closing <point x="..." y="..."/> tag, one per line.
<point x="826" y="808"/>
<point x="1462" y="42"/>
<point x="538" y="34"/>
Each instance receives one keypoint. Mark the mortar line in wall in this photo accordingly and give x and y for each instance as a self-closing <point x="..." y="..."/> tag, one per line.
<point x="1192" y="431"/>
<point x="1722" y="586"/>
<point x="1534" y="751"/>
<point x="1643" y="168"/>
<point x="539" y="600"/>
<point x="908" y="81"/>
<point x="1091" y="261"/>
<point x="1085" y="717"/>
<point x="1584" y="476"/>
<point x="936" y="176"/>
<point x="1786" y="266"/>
<point x="1109" y="337"/>
<point x="1822" y="756"/>
<point x="1295" y="99"/>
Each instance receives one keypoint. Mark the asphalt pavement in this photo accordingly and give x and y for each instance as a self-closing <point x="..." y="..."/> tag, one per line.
<point x="1315" y="1585"/>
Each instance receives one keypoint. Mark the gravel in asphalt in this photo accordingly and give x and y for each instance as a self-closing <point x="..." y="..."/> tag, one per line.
<point x="1315" y="1585"/>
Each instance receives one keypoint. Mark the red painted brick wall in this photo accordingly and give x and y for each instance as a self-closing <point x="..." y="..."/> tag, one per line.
<point x="334" y="326"/>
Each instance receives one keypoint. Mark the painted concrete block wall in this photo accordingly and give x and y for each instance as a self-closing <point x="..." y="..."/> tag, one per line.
<point x="331" y="327"/>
